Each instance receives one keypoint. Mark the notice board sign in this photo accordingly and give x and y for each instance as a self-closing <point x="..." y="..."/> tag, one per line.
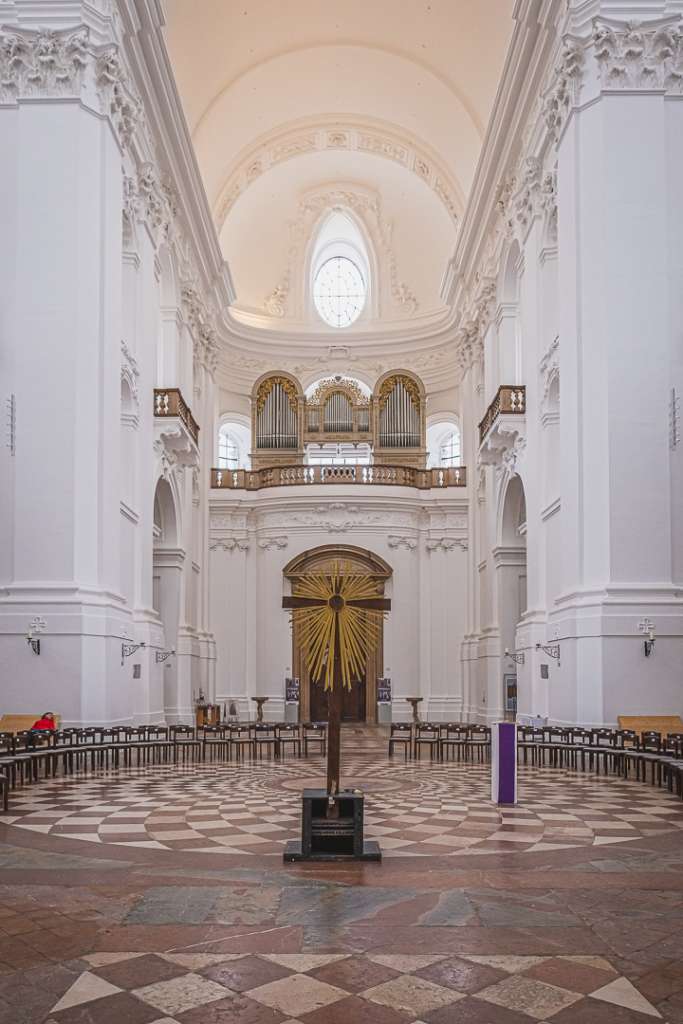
<point x="384" y="691"/>
<point x="292" y="690"/>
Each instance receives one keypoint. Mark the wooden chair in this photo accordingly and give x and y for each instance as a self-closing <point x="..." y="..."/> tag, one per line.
<point x="242" y="741"/>
<point x="479" y="739"/>
<point x="314" y="733"/>
<point x="426" y="735"/>
<point x="215" y="741"/>
<point x="185" y="742"/>
<point x="266" y="738"/>
<point x="453" y="740"/>
<point x="401" y="735"/>
<point x="289" y="735"/>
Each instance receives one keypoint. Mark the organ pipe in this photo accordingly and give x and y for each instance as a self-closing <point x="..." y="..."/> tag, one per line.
<point x="276" y="420"/>
<point x="399" y="419"/>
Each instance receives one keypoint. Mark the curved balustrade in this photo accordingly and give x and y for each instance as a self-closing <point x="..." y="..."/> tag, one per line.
<point x="296" y="476"/>
<point x="508" y="400"/>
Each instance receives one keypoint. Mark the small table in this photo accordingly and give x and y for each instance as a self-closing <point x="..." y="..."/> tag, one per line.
<point x="260" y="701"/>
<point x="415" y="701"/>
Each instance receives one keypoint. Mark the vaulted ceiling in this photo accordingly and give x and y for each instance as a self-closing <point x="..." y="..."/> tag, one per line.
<point x="380" y="98"/>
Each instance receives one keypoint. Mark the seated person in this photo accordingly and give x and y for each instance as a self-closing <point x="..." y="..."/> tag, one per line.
<point x="45" y="722"/>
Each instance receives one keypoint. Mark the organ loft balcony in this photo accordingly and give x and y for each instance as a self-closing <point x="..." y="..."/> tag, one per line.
<point x="305" y="476"/>
<point x="339" y="432"/>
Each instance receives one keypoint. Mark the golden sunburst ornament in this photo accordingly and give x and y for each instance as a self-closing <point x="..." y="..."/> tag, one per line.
<point x="338" y="615"/>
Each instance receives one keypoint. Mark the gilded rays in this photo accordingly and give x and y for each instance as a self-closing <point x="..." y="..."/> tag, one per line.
<point x="336" y="623"/>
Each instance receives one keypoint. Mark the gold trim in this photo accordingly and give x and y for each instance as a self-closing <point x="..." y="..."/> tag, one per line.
<point x="390" y="383"/>
<point x="266" y="386"/>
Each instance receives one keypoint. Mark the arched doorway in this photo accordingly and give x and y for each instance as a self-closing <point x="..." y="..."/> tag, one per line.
<point x="512" y="583"/>
<point x="360" y="704"/>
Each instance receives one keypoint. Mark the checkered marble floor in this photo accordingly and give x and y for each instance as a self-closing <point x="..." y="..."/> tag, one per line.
<point x="342" y="988"/>
<point x="414" y="809"/>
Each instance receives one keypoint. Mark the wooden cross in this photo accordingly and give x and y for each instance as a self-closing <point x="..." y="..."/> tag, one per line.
<point x="343" y="640"/>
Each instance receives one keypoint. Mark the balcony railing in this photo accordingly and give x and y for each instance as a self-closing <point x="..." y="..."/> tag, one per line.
<point x="294" y="476"/>
<point x="170" y="402"/>
<point x="509" y="400"/>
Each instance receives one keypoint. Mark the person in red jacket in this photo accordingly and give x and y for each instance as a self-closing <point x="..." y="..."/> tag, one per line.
<point x="46" y="721"/>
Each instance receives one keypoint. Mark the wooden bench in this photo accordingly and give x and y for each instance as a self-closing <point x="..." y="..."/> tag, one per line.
<point x="19" y="723"/>
<point x="652" y="723"/>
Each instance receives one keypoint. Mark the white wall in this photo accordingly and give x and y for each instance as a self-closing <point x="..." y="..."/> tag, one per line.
<point x="421" y="535"/>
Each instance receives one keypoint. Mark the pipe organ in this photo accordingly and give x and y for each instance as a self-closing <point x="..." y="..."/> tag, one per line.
<point x="391" y="420"/>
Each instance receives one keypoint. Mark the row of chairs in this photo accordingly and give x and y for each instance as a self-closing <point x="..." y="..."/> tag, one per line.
<point x="26" y="756"/>
<point x="444" y="741"/>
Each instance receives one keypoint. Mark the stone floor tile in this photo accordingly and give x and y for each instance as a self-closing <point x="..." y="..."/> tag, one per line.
<point x="354" y="974"/>
<point x="118" y="1009"/>
<point x="139" y="971"/>
<point x="299" y="994"/>
<point x="85" y="989"/>
<point x="303" y="962"/>
<point x="236" y="1009"/>
<point x="534" y="998"/>
<point x="179" y="994"/>
<point x="246" y="973"/>
<point x="410" y="994"/>
<point x="355" y="1010"/>
<point x="461" y="975"/>
<point x="564" y="973"/>
<point x="406" y="964"/>
<point x="622" y="993"/>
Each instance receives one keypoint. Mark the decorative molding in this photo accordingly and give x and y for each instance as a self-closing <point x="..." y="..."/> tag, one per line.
<point x="511" y="456"/>
<point x="129" y="513"/>
<point x="37" y="624"/>
<point x="549" y="370"/>
<point x="409" y="543"/>
<point x="366" y="205"/>
<point x="564" y="88"/>
<point x="42" y="63"/>
<point x="229" y="544"/>
<point x="117" y="96"/>
<point x="376" y="138"/>
<point x="324" y="387"/>
<point x="445" y="543"/>
<point x="268" y="543"/>
<point x="637" y="55"/>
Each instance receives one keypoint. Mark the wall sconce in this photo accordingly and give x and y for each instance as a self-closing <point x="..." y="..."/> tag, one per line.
<point x="33" y="642"/>
<point x="552" y="650"/>
<point x="517" y="657"/>
<point x="160" y="656"/>
<point x="128" y="649"/>
<point x="646" y="626"/>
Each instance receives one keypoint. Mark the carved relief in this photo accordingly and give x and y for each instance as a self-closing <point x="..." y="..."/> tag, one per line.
<point x="409" y="543"/>
<point x="279" y="543"/>
<point x="638" y="55"/>
<point x="230" y="544"/>
<point x="563" y="91"/>
<point x="42" y="62"/>
<point x="385" y="142"/>
<point x="445" y="544"/>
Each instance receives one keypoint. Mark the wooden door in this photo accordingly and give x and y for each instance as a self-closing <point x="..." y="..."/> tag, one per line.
<point x="353" y="703"/>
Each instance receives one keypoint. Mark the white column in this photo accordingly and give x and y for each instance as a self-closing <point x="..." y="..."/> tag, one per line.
<point x="620" y="255"/>
<point x="60" y="353"/>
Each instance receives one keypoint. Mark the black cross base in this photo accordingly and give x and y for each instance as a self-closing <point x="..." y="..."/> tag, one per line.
<point x="332" y="839"/>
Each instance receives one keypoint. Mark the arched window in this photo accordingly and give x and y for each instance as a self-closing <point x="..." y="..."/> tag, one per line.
<point x="340" y="272"/>
<point x="233" y="446"/>
<point x="443" y="446"/>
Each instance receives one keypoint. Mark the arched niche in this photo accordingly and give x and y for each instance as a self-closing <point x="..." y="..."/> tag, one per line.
<point x="359" y="706"/>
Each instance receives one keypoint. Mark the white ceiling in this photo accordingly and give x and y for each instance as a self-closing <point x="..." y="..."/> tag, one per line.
<point x="284" y="97"/>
